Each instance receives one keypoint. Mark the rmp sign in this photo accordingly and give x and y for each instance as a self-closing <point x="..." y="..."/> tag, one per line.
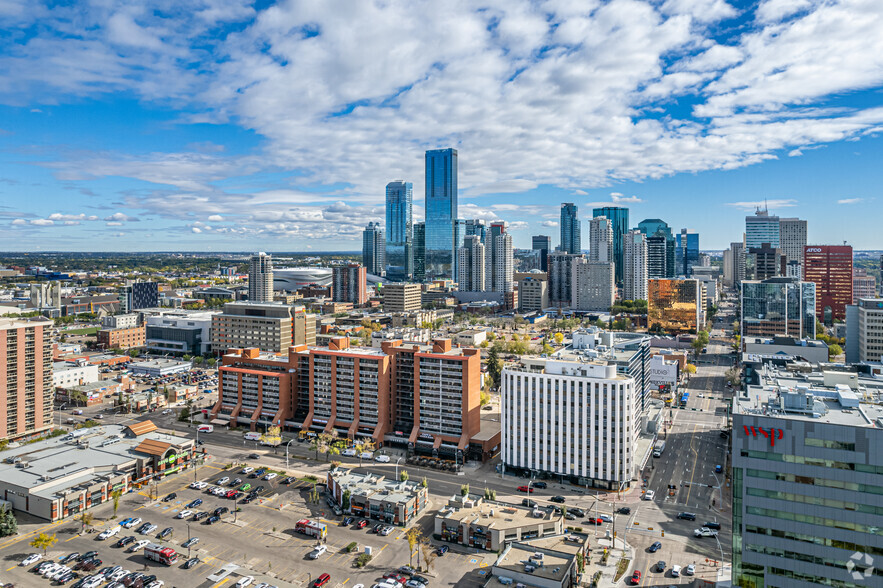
<point x="772" y="434"/>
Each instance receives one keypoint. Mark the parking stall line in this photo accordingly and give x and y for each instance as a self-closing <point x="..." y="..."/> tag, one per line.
<point x="221" y="583"/>
<point x="12" y="568"/>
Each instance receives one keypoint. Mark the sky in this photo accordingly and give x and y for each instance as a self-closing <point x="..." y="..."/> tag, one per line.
<point x="235" y="125"/>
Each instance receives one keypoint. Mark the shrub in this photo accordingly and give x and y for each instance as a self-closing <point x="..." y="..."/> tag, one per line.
<point x="351" y="547"/>
<point x="362" y="560"/>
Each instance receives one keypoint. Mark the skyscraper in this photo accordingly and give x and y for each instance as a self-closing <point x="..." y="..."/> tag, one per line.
<point x="619" y="220"/>
<point x="441" y="212"/>
<point x="260" y="278"/>
<point x="761" y="228"/>
<point x="570" y="229"/>
<point x="650" y="226"/>
<point x="499" y="264"/>
<point x="600" y="240"/>
<point x="686" y="252"/>
<point x="349" y="284"/>
<point x="476" y="227"/>
<point x="471" y="265"/>
<point x="560" y="277"/>
<point x="543" y="244"/>
<point x="660" y="248"/>
<point x="830" y="268"/>
<point x="778" y="306"/>
<point x="399" y="238"/>
<point x="592" y="285"/>
<point x="26" y="375"/>
<point x="373" y="249"/>
<point x="792" y="240"/>
<point x="634" y="275"/>
<point x="419" y="252"/>
<point x="734" y="264"/>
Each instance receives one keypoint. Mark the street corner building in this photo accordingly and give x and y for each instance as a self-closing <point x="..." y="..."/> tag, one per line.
<point x="57" y="478"/>
<point x="377" y="498"/>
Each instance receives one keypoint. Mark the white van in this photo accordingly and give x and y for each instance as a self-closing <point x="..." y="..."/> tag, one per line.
<point x="108" y="533"/>
<point x="205" y="428"/>
<point x="649" y="495"/>
<point x="252" y="436"/>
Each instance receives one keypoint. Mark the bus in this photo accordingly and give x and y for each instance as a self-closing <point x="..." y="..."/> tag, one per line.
<point x="311" y="528"/>
<point x="684" y="398"/>
<point x="164" y="555"/>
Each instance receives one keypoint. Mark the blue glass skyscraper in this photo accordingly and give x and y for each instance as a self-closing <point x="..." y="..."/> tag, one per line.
<point x="570" y="229"/>
<point x="619" y="220"/>
<point x="441" y="212"/>
<point x="687" y="252"/>
<point x="399" y="237"/>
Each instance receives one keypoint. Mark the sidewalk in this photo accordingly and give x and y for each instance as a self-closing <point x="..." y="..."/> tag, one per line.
<point x="618" y="550"/>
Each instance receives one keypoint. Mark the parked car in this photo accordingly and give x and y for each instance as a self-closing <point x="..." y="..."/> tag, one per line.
<point x="382" y="458"/>
<point x="190" y="563"/>
<point x="165" y="532"/>
<point x="347" y="521"/>
<point x="660" y="566"/>
<point x="675" y="571"/>
<point x="442" y="550"/>
<point x="689" y="570"/>
<point x="317" y="551"/>
<point x="362" y="524"/>
<point x="223" y="481"/>
<point x="528" y="502"/>
<point x="183" y="514"/>
<point x="541" y="485"/>
<point x="605" y="518"/>
<point x="558" y="499"/>
<point x="190" y="542"/>
<point x="170" y="497"/>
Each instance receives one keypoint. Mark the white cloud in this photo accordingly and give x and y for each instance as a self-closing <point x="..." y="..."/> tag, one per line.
<point x="113" y="224"/>
<point x="850" y="200"/>
<point x="42" y="222"/>
<point x="549" y="223"/>
<point x="776" y="10"/>
<point x="215" y="218"/>
<point x="750" y="206"/>
<point x="119" y="217"/>
<point x="19" y="221"/>
<point x="195" y="230"/>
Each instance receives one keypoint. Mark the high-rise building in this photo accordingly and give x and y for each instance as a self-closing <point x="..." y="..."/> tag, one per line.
<point x="767" y="261"/>
<point x="762" y="228"/>
<point x="778" y="306"/>
<point x="374" y="250"/>
<point x="419" y="251"/>
<point x="401" y="297"/>
<point x="864" y="331"/>
<point x="634" y="275"/>
<point x="26" y="394"/>
<point x="533" y="292"/>
<point x="560" y="277"/>
<point x="619" y="220"/>
<point x="806" y="474"/>
<point x="441" y="212"/>
<point x="660" y="256"/>
<point x="792" y="240"/>
<point x="139" y="295"/>
<point x="734" y="264"/>
<point x="260" y="278"/>
<point x="676" y="306"/>
<point x="651" y="226"/>
<point x="399" y="237"/>
<point x="600" y="240"/>
<point x="498" y="259"/>
<point x="830" y="267"/>
<point x="471" y="265"/>
<point x="592" y="286"/>
<point x="475" y="227"/>
<point x="268" y="326"/>
<point x="686" y="252"/>
<point x="542" y="244"/>
<point x="570" y="229"/>
<point x="349" y="284"/>
<point x="863" y="285"/>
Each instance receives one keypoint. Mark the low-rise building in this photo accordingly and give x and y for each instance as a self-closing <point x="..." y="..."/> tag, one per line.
<point x="811" y="350"/>
<point x="121" y="321"/>
<point x="471" y="337"/>
<point x="59" y="477"/>
<point x="558" y="561"/>
<point x="89" y="394"/>
<point x="125" y="338"/>
<point x="180" y="332"/>
<point x="73" y="373"/>
<point x="475" y="522"/>
<point x="377" y="498"/>
<point x="159" y="368"/>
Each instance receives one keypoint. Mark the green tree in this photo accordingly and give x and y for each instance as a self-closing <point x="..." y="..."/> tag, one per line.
<point x="86" y="519"/>
<point x="8" y="523"/>
<point x="43" y="541"/>
<point x="346" y="499"/>
<point x="834" y="350"/>
<point x="404" y="477"/>
<point x="464" y="490"/>
<point x="115" y="497"/>
<point x="494" y="366"/>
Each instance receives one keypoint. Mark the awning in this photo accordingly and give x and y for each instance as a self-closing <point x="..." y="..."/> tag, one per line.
<point x="219" y="422"/>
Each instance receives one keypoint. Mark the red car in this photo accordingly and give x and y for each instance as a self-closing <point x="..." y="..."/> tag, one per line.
<point x="321" y="580"/>
<point x="594" y="521"/>
<point x="362" y="524"/>
<point x="527" y="489"/>
<point x="231" y="493"/>
<point x="397" y="577"/>
<point x="636" y="578"/>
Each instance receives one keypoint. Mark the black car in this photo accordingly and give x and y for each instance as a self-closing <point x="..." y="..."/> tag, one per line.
<point x="377" y="527"/>
<point x="125" y="541"/>
<point x="68" y="577"/>
<point x="287" y="480"/>
<point x="624" y="510"/>
<point x="148" y="579"/>
<point x="577" y="511"/>
<point x="247" y="499"/>
<point x="442" y="550"/>
<point x="190" y="563"/>
<point x="87" y="555"/>
<point x="559" y="499"/>
<point x="200" y="515"/>
<point x="220" y="510"/>
<point x="687" y="516"/>
<point x="253" y="456"/>
<point x="70" y="557"/>
<point x="528" y="502"/>
<point x="170" y="497"/>
<point x="660" y="566"/>
<point x="165" y="532"/>
<point x="655" y="547"/>
<point x="539" y="485"/>
<point x="712" y="525"/>
<point x="236" y="482"/>
<point x="259" y="490"/>
<point x="143" y="528"/>
<point x="212" y="520"/>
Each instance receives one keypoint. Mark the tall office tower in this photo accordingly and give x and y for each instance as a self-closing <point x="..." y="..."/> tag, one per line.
<point x="260" y="278"/>
<point x="349" y="284"/>
<point x="767" y="261"/>
<point x="441" y="212"/>
<point x="863" y="285"/>
<point x="26" y="392"/>
<point x="778" y="306"/>
<point x="592" y="286"/>
<point x="542" y="244"/>
<point x="660" y="248"/>
<point x="686" y="252"/>
<point x="499" y="264"/>
<point x="373" y="249"/>
<point x="475" y="227"/>
<point x="651" y="226"/>
<point x="471" y="265"/>
<point x="619" y="220"/>
<point x="634" y="275"/>
<point x="830" y="267"/>
<point x="419" y="251"/>
<point x="138" y="295"/>
<point x="401" y="297"/>
<point x="399" y="237"/>
<point x="570" y="239"/>
<point x="560" y="277"/>
<point x="762" y="228"/>
<point x="600" y="240"/>
<point x="864" y="331"/>
<point x="792" y="240"/>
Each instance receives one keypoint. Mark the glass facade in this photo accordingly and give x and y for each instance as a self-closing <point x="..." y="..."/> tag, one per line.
<point x="399" y="238"/>
<point x="542" y="244"/>
<point x="686" y="252"/>
<point x="779" y="306"/>
<point x="675" y="305"/>
<point x="619" y="219"/>
<point x="441" y="213"/>
<point x="419" y="252"/>
<point x="570" y="229"/>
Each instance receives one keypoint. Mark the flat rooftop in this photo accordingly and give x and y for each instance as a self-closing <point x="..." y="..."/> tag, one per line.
<point x="375" y="487"/>
<point x="558" y="555"/>
<point x="158" y="364"/>
<point x="497" y="516"/>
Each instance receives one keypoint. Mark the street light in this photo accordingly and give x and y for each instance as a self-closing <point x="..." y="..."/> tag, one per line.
<point x="286" y="451"/>
<point x="397" y="467"/>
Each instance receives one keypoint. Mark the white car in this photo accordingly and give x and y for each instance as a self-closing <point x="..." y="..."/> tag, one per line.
<point x="705" y="532"/>
<point x="317" y="551"/>
<point x="118" y="574"/>
<point x="387" y="530"/>
<point x="156" y="584"/>
<point x="244" y="581"/>
<point x="167" y="411"/>
<point x="349" y="453"/>
<point x="183" y="514"/>
<point x="50" y="570"/>
<point x="367" y="455"/>
<point x="133" y="523"/>
<point x="247" y="470"/>
<point x="139" y="545"/>
<point x="33" y="558"/>
<point x="689" y="570"/>
<point x="270" y="476"/>
<point x="675" y="571"/>
<point x="60" y="572"/>
<point x="382" y="458"/>
<point x="107" y="533"/>
<point x="223" y="481"/>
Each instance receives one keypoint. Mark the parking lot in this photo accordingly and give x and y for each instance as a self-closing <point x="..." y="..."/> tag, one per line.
<point x="260" y="538"/>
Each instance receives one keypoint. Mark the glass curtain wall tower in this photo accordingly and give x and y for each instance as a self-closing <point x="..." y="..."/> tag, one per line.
<point x="399" y="237"/>
<point x="619" y="220"/>
<point x="441" y="212"/>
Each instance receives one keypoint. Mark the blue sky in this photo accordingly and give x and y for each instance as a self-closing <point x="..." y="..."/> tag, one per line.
<point x="230" y="125"/>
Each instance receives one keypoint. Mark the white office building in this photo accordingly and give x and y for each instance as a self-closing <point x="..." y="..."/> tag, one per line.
<point x="66" y="374"/>
<point x="569" y="417"/>
<point x="792" y="240"/>
<point x="634" y="271"/>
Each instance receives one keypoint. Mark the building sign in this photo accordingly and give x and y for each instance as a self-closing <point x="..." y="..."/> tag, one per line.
<point x="813" y="249"/>
<point x="772" y="434"/>
<point x="666" y="373"/>
<point x="172" y="458"/>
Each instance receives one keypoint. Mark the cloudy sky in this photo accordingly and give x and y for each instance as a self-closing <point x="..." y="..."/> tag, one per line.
<point x="235" y="125"/>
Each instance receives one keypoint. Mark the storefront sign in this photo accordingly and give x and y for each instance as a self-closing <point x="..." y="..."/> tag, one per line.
<point x="772" y="434"/>
<point x="172" y="458"/>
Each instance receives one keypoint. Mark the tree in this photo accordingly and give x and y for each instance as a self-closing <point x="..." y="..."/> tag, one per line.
<point x="211" y="361"/>
<point x="273" y="436"/>
<point x="8" y="523"/>
<point x="43" y="541"/>
<point x="428" y="551"/>
<point x="494" y="366"/>
<point x="413" y="536"/>
<point x="345" y="499"/>
<point x="363" y="447"/>
<point x="404" y="477"/>
<point x="559" y="338"/>
<point x="690" y="368"/>
<point x="464" y="490"/>
<point x="423" y="482"/>
<point x="134" y="353"/>
<point x="834" y="350"/>
<point x="86" y="519"/>
<point x="115" y="497"/>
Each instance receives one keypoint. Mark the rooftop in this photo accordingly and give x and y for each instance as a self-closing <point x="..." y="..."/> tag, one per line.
<point x="494" y="515"/>
<point x="375" y="487"/>
<point x="158" y="363"/>
<point x="551" y="558"/>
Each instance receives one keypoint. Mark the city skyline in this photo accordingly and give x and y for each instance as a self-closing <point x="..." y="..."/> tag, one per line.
<point x="147" y="128"/>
